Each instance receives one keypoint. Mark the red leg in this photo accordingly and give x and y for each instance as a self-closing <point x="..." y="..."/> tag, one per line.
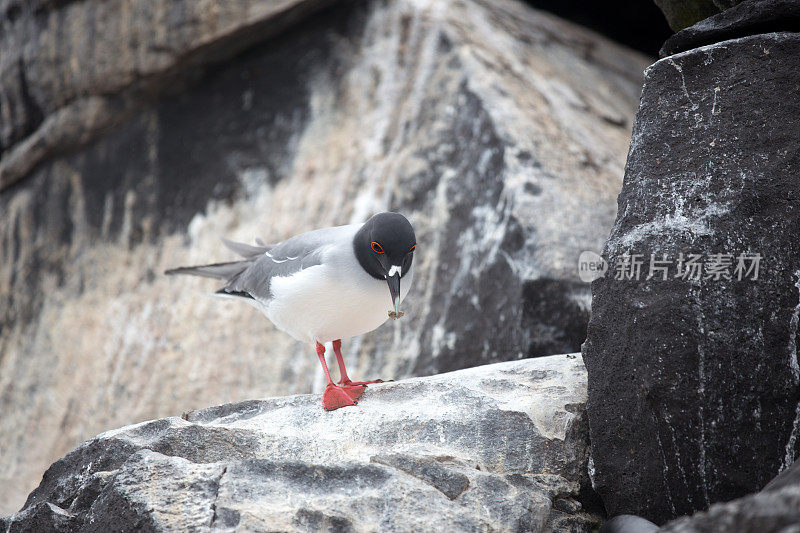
<point x="335" y="396"/>
<point x="337" y="349"/>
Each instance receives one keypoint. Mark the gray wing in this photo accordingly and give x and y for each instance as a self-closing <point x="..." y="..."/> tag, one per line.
<point x="284" y="259"/>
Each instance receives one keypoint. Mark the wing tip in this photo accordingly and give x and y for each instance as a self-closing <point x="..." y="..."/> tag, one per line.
<point x="223" y="271"/>
<point x="247" y="251"/>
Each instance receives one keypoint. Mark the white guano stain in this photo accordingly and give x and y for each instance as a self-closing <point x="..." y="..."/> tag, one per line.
<point x="685" y="217"/>
<point x="701" y="377"/>
<point x="683" y="82"/>
<point x="714" y="110"/>
<point x="793" y="326"/>
<point x="667" y="491"/>
<point x="678" y="463"/>
<point x="591" y="471"/>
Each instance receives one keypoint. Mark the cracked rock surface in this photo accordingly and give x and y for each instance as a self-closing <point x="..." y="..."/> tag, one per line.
<point x="501" y="447"/>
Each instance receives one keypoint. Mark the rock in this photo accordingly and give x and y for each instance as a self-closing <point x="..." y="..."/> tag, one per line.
<point x="43" y="516"/>
<point x="626" y="523"/>
<point x="640" y="25"/>
<point x="694" y="383"/>
<point x="776" y="511"/>
<point x="790" y="476"/>
<point x="501" y="447"/>
<point x="62" y="88"/>
<point x="748" y="18"/>
<point x="775" y="508"/>
<point x="683" y="13"/>
<point x="498" y="130"/>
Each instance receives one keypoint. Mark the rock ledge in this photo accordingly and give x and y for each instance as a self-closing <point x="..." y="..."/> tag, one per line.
<point x="499" y="447"/>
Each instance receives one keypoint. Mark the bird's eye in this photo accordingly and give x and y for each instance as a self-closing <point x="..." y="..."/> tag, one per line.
<point x="376" y="248"/>
<point x="412" y="248"/>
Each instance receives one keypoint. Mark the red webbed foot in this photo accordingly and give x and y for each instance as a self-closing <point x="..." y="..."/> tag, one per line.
<point x="335" y="396"/>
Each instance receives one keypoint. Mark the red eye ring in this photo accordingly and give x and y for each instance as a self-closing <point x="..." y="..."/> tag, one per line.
<point x="376" y="248"/>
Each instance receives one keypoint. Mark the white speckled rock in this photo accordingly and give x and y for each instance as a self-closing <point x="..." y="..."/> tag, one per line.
<point x="500" y="447"/>
<point x="500" y="131"/>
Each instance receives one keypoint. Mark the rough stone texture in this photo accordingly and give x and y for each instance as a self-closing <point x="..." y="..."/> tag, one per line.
<point x="775" y="508"/>
<point x="499" y="131"/>
<point x="494" y="448"/>
<point x="626" y="523"/>
<point x="693" y="384"/>
<point x="70" y="70"/>
<point x="751" y="17"/>
<point x="683" y="13"/>
<point x="773" y="511"/>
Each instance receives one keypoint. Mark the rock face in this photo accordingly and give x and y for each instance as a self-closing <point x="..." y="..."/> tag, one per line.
<point x="748" y="18"/>
<point x="499" y="131"/>
<point x="694" y="386"/>
<point x="776" y="508"/>
<point x="683" y="13"/>
<point x="71" y="70"/>
<point x="501" y="447"/>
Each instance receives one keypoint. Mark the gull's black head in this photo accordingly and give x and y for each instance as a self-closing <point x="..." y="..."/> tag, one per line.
<point x="385" y="247"/>
<point x="385" y="244"/>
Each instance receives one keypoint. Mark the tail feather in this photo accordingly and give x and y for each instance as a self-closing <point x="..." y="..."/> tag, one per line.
<point x="224" y="271"/>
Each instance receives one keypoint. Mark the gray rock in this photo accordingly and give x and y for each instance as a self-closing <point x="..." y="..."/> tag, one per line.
<point x="62" y="87"/>
<point x="683" y="13"/>
<point x="500" y="447"/>
<point x="748" y="18"/>
<point x="626" y="523"/>
<point x="790" y="476"/>
<point x="499" y="131"/>
<point x="43" y="516"/>
<point x="775" y="508"/>
<point x="766" y="511"/>
<point x="694" y="388"/>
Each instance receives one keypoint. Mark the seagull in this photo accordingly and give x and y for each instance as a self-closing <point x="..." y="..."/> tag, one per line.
<point x="324" y="286"/>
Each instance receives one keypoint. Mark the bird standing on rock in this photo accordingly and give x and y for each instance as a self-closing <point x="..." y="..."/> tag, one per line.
<point x="325" y="285"/>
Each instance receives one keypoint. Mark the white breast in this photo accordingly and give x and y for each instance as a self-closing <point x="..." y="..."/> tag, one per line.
<point x="335" y="300"/>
